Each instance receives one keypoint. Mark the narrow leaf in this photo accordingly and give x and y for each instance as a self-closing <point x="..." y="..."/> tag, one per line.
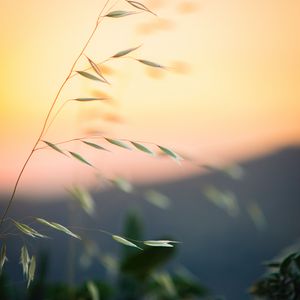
<point x="96" y="146"/>
<point x="125" y="52"/>
<point x="125" y="242"/>
<point x="150" y="63"/>
<point x="170" y="153"/>
<point x="93" y="290"/>
<point x="89" y="76"/>
<point x="118" y="143"/>
<point x="3" y="257"/>
<point x="24" y="260"/>
<point x="160" y="243"/>
<point x="31" y="270"/>
<point x="142" y="148"/>
<point x="89" y="99"/>
<point x="97" y="70"/>
<point x="158" y="199"/>
<point x="80" y="158"/>
<point x="84" y="198"/>
<point x="58" y="227"/>
<point x="140" y="6"/>
<point x="65" y="230"/>
<point x="54" y="147"/>
<point x="120" y="14"/>
<point x="28" y="230"/>
<point x="122" y="184"/>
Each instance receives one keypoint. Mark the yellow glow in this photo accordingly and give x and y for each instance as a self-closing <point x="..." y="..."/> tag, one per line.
<point x="232" y="89"/>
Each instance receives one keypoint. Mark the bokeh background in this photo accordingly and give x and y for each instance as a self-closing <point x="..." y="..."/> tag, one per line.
<point x="229" y="98"/>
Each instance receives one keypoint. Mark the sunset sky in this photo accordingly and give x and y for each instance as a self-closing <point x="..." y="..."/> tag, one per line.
<point x="231" y="90"/>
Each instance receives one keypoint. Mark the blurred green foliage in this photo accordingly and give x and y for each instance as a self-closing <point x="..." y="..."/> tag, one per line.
<point x="140" y="275"/>
<point x="281" y="282"/>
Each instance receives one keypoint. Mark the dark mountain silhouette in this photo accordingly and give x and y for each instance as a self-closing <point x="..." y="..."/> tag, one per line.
<point x="224" y="252"/>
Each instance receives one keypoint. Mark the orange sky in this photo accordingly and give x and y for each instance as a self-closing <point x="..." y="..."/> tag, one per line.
<point x="234" y="92"/>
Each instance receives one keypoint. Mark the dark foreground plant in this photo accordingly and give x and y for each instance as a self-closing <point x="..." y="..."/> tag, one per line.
<point x="282" y="280"/>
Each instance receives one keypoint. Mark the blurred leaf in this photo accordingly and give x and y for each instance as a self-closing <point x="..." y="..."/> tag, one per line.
<point x="3" y="257"/>
<point x="223" y="199"/>
<point x="142" y="148"/>
<point x="170" y="153"/>
<point x="118" y="143"/>
<point x="125" y="242"/>
<point x="58" y="227"/>
<point x="122" y="184"/>
<point x="257" y="215"/>
<point x="187" y="285"/>
<point x="133" y="227"/>
<point x="89" y="76"/>
<point x="96" y="146"/>
<point x="150" y="63"/>
<point x="28" y="230"/>
<point x="140" y="6"/>
<point x="234" y="171"/>
<point x="110" y="263"/>
<point x="120" y="13"/>
<point x="89" y="99"/>
<point x="24" y="260"/>
<point x="285" y="265"/>
<point x="272" y="264"/>
<point x="165" y="280"/>
<point x="83" y="197"/>
<point x="97" y="70"/>
<point x="133" y="230"/>
<point x="31" y="270"/>
<point x="142" y="264"/>
<point x="158" y="199"/>
<point x="53" y="146"/>
<point x="93" y="290"/>
<point x="80" y="158"/>
<point x="125" y="52"/>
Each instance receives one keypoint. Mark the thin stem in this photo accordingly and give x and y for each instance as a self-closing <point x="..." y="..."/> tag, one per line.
<point x="56" y="114"/>
<point x="99" y="19"/>
<point x="59" y="143"/>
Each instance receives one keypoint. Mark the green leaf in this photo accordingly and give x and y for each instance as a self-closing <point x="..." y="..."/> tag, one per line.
<point x="286" y="264"/>
<point x="31" y="270"/>
<point x="24" y="260"/>
<point x="125" y="242"/>
<point x="80" y="158"/>
<point x="166" y="282"/>
<point x="158" y="199"/>
<point x="160" y="243"/>
<point x="54" y="147"/>
<point x="120" y="14"/>
<point x="125" y="52"/>
<point x="150" y="63"/>
<point x="142" y="148"/>
<point x="89" y="76"/>
<point x="89" y="99"/>
<point x="140" y="6"/>
<point x="122" y="184"/>
<point x="28" y="230"/>
<point x="96" y="146"/>
<point x="58" y="227"/>
<point x="118" y="143"/>
<point x="170" y="153"/>
<point x="93" y="290"/>
<point x="97" y="70"/>
<point x="3" y="257"/>
<point x="83" y="197"/>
